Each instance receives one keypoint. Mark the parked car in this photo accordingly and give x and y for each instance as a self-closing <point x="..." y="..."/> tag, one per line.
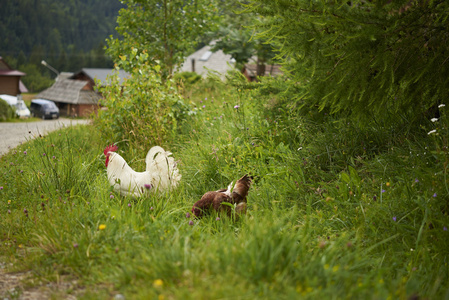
<point x="44" y="109"/>
<point x="17" y="104"/>
<point x="22" y="110"/>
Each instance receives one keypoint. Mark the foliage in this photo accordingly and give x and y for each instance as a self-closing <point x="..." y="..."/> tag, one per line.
<point x="234" y="37"/>
<point x="187" y="78"/>
<point x="141" y="110"/>
<point x="174" y="30"/>
<point x="363" y="58"/>
<point x="34" y="80"/>
<point x="70" y="37"/>
<point x="376" y="229"/>
<point x="6" y="111"/>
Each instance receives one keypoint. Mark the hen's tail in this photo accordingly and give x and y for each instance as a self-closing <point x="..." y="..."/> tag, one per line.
<point x="163" y="168"/>
<point x="241" y="188"/>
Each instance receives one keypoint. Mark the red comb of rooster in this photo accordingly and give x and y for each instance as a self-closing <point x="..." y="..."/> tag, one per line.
<point x="110" y="148"/>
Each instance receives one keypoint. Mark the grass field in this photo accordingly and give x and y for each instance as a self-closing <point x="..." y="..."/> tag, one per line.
<point x="335" y="211"/>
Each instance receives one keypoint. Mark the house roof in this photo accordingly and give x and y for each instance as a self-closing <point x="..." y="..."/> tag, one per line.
<point x="205" y="58"/>
<point x="70" y="91"/>
<point x="11" y="73"/>
<point x="101" y="74"/>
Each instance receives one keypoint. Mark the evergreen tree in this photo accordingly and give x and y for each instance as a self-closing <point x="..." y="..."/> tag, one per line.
<point x="370" y="58"/>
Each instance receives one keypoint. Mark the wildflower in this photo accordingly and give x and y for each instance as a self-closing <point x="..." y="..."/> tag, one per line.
<point x="394" y="219"/>
<point x="434" y="120"/>
<point x="24" y="152"/>
<point x="102" y="227"/>
<point x="416" y="180"/>
<point x="217" y="219"/>
<point x="434" y="195"/>
<point x="158" y="283"/>
<point x="441" y="105"/>
<point x="205" y="99"/>
<point x="151" y="208"/>
<point x="190" y="222"/>
<point x="43" y="154"/>
<point x="75" y="245"/>
<point x="9" y="211"/>
<point x="387" y="184"/>
<point x="383" y="191"/>
<point x="1" y="188"/>
<point x="445" y="228"/>
<point x="148" y="186"/>
<point x="204" y="106"/>
<point x="431" y="132"/>
<point x="111" y="196"/>
<point x="129" y="204"/>
<point x="237" y="106"/>
<point x="9" y="202"/>
<point x="187" y="215"/>
<point x="374" y="198"/>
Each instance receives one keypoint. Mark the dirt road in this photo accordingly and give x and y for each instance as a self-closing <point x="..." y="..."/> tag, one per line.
<point x="13" y="134"/>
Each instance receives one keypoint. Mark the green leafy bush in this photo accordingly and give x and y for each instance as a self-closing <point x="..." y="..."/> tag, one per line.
<point x="143" y="110"/>
<point x="187" y="78"/>
<point x="6" y="111"/>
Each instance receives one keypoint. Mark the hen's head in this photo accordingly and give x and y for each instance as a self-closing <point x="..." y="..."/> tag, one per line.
<point x="110" y="148"/>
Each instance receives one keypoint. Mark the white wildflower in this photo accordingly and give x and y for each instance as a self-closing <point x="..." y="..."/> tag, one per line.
<point x="432" y="131"/>
<point x="300" y="148"/>
<point x="441" y="105"/>
<point x="434" y="120"/>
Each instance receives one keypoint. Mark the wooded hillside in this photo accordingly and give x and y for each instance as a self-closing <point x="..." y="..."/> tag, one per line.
<point x="63" y="32"/>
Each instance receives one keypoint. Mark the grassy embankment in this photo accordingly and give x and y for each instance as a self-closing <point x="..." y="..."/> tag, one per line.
<point x="335" y="211"/>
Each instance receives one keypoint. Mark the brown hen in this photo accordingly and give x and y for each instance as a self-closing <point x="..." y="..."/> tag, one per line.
<point x="214" y="199"/>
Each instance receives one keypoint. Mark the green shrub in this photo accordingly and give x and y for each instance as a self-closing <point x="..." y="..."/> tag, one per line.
<point x="6" y="111"/>
<point x="187" y="78"/>
<point x="143" y="110"/>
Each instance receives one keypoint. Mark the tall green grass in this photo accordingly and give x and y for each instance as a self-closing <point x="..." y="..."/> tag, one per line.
<point x="330" y="215"/>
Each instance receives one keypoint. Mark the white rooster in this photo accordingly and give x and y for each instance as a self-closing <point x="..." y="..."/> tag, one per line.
<point x="161" y="172"/>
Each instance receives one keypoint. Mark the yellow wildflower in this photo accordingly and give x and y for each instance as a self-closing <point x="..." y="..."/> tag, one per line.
<point x="102" y="227"/>
<point x="9" y="201"/>
<point x="158" y="283"/>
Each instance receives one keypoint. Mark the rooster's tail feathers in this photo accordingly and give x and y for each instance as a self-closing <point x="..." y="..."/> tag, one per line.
<point x="161" y="165"/>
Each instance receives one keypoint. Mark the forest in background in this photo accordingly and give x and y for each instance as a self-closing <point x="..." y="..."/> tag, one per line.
<point x="66" y="34"/>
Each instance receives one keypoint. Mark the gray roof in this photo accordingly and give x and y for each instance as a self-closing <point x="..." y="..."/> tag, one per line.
<point x="205" y="58"/>
<point x="102" y="74"/>
<point x="70" y="91"/>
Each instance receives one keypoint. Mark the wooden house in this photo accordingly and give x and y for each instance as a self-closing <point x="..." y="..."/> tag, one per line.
<point x="10" y="83"/>
<point x="204" y="59"/>
<point x="75" y="94"/>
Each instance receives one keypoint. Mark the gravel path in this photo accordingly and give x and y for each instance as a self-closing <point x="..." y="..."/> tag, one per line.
<point x="13" y="134"/>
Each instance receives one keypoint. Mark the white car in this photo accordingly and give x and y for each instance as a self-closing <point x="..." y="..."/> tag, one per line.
<point x="21" y="109"/>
